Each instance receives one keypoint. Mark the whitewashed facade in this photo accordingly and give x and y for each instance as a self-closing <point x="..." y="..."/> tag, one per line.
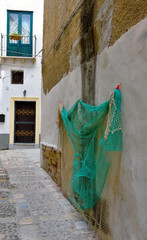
<point x="20" y="73"/>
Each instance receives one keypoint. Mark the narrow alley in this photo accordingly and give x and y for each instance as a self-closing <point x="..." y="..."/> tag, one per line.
<point x="32" y="206"/>
<point x="72" y="120"/>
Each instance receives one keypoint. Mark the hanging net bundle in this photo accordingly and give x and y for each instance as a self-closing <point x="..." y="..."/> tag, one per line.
<point x="94" y="131"/>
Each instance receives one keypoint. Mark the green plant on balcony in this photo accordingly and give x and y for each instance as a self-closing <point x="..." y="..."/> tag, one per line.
<point x="15" y="36"/>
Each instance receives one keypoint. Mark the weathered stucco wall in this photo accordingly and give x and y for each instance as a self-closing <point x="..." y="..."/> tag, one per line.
<point x="96" y="23"/>
<point x="126" y="14"/>
<point x="57" y="64"/>
<point x="53" y="138"/>
<point x="125" y="62"/>
<point x="87" y="62"/>
<point x="69" y="86"/>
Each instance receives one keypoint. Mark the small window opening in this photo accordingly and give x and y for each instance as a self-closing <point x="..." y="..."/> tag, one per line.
<point x="17" y="77"/>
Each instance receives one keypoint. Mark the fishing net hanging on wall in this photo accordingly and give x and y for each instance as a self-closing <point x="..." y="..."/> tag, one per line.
<point x="94" y="131"/>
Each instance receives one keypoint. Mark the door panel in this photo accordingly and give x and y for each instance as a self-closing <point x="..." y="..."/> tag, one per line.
<point x="24" y="122"/>
<point x="26" y="42"/>
<point x="26" y="29"/>
<point x="13" y="26"/>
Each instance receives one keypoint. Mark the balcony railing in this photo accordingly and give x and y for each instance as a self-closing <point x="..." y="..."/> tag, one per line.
<point x="26" y="47"/>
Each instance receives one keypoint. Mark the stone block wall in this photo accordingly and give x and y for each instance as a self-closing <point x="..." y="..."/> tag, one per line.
<point x="52" y="162"/>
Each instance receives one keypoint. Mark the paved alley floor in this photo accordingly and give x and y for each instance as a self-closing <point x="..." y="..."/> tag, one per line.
<point x="32" y="207"/>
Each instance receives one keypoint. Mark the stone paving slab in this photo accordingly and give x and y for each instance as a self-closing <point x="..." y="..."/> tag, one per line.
<point x="32" y="207"/>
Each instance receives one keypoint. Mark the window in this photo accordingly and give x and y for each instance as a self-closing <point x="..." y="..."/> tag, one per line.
<point x="17" y="77"/>
<point x="19" y="24"/>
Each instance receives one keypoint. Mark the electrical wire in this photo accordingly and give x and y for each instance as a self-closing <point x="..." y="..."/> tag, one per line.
<point x="19" y="68"/>
<point x="65" y="26"/>
<point x="14" y="65"/>
<point x="3" y="49"/>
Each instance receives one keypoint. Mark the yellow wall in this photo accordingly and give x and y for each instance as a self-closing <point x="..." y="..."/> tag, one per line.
<point x="56" y="14"/>
<point x="12" y="114"/>
<point x="56" y="63"/>
<point x="126" y="14"/>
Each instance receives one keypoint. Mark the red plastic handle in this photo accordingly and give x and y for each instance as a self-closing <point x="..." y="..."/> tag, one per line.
<point x="119" y="87"/>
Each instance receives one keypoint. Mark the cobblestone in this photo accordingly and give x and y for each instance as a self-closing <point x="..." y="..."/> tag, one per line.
<point x="32" y="207"/>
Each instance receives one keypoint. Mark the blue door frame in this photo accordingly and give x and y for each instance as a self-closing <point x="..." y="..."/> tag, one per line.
<point x="19" y="47"/>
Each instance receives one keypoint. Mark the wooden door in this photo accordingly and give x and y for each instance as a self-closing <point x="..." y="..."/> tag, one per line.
<point x="24" y="122"/>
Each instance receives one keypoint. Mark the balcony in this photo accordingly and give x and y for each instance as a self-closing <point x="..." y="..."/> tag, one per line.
<point x="23" y="49"/>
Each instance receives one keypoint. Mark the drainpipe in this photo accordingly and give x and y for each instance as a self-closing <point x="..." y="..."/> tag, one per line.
<point x="35" y="44"/>
<point x="1" y="44"/>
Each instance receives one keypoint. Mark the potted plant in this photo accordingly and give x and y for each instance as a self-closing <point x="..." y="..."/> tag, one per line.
<point x="15" y="36"/>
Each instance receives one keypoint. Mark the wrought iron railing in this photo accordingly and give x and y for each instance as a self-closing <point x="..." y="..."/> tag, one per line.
<point x="24" y="47"/>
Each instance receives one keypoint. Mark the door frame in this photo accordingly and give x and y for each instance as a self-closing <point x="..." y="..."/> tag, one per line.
<point x="12" y="117"/>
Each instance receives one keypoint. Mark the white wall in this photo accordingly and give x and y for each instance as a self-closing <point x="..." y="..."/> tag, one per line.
<point x="125" y="62"/>
<point x="32" y="72"/>
<point x="32" y="83"/>
<point x="67" y="91"/>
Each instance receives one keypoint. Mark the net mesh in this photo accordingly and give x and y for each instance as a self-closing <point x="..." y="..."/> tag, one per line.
<point x="95" y="132"/>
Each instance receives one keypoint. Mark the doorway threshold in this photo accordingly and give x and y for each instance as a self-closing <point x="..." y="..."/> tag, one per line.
<point x="23" y="146"/>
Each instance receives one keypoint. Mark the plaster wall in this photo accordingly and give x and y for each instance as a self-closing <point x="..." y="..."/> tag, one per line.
<point x="32" y="84"/>
<point x="69" y="86"/>
<point x="32" y="71"/>
<point x="124" y="62"/>
<point x="96" y="24"/>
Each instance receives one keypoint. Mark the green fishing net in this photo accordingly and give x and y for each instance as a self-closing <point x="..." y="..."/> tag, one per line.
<point x="94" y="131"/>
